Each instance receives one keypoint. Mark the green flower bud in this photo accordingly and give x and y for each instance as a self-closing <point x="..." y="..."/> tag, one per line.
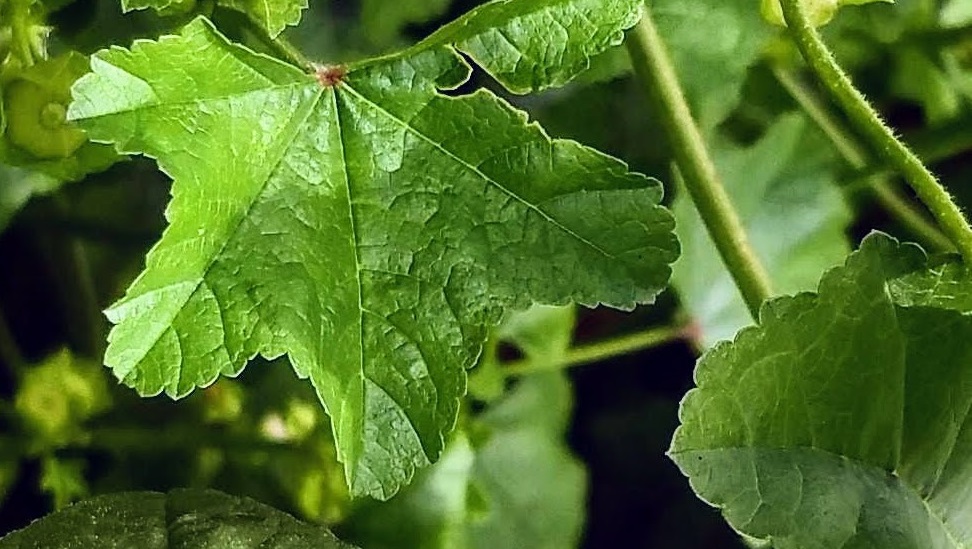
<point x="35" y="102"/>
<point x="820" y="12"/>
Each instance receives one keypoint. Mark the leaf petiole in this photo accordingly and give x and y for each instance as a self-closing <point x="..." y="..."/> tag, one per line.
<point x="880" y="137"/>
<point x="280" y="46"/>
<point x="654" y="68"/>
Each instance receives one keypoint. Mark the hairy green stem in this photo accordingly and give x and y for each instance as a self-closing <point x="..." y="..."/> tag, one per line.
<point x="857" y="157"/>
<point x="654" y="68"/>
<point x="881" y="138"/>
<point x="601" y="350"/>
<point x="9" y="351"/>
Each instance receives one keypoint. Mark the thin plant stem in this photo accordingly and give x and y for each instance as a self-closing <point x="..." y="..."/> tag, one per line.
<point x="20" y="32"/>
<point x="879" y="136"/>
<point x="857" y="157"/>
<point x="9" y="350"/>
<point x="600" y="351"/>
<point x="654" y="68"/>
<point x="280" y="46"/>
<point x="87" y="312"/>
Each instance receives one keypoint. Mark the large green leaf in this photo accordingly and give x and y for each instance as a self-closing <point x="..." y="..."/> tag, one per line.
<point x="201" y="519"/>
<point x="476" y="496"/>
<point x="795" y="216"/>
<point x="842" y="420"/>
<point x="371" y="229"/>
<point x="272" y="15"/>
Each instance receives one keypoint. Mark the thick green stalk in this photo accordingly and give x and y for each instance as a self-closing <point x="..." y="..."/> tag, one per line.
<point x="601" y="350"/>
<point x="20" y="38"/>
<point x="880" y="137"/>
<point x="654" y="68"/>
<point x="857" y="157"/>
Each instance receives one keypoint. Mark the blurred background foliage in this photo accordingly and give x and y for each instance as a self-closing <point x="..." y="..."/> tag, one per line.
<point x="544" y="456"/>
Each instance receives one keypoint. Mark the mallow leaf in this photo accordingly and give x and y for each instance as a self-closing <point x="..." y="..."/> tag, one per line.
<point x="202" y="519"/>
<point x="842" y="420"/>
<point x="783" y="187"/>
<point x="530" y="45"/>
<point x="272" y="15"/>
<point x="360" y="222"/>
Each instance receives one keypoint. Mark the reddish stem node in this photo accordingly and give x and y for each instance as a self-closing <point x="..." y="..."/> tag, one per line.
<point x="330" y="75"/>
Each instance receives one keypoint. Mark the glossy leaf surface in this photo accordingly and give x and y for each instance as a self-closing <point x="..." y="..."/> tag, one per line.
<point x="372" y="229"/>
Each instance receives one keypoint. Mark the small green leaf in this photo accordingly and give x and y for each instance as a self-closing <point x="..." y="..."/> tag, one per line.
<point x="794" y="213"/>
<point x="370" y="228"/>
<point x="201" y="519"/>
<point x="842" y="420"/>
<point x="272" y="15"/>
<point x="531" y="45"/>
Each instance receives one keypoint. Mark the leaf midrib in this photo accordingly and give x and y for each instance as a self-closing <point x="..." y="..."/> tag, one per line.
<point x="560" y="226"/>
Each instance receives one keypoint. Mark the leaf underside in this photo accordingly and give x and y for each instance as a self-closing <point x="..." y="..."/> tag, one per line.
<point x="371" y="230"/>
<point x="201" y="519"/>
<point x="842" y="420"/>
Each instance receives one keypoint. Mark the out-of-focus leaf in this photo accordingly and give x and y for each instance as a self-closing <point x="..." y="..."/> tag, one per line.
<point x="384" y="20"/>
<point x="794" y="213"/>
<point x="712" y="43"/>
<point x="201" y="519"/>
<point x="63" y="480"/>
<point x="916" y="76"/>
<point x="56" y="396"/>
<point x="17" y="186"/>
